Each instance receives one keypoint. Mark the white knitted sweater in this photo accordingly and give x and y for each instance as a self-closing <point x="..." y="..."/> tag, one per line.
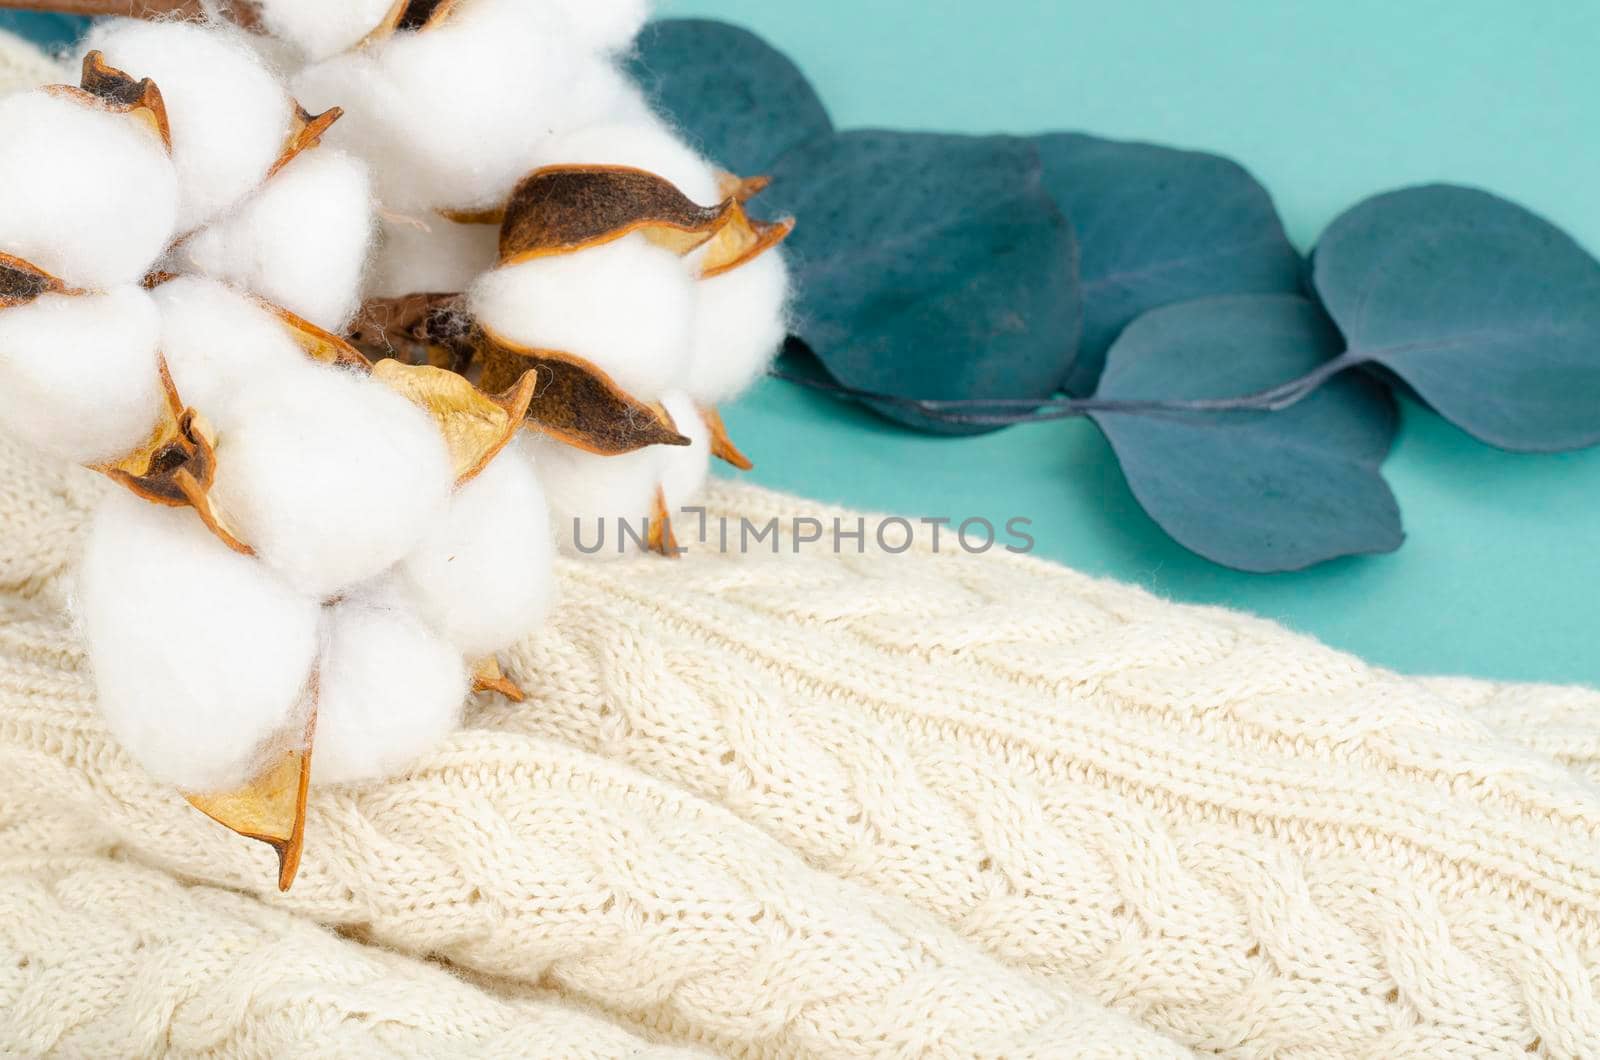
<point x="810" y="805"/>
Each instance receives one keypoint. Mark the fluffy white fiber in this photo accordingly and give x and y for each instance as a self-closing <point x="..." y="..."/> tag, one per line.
<point x="219" y="344"/>
<point x="482" y="576"/>
<point x="642" y="142"/>
<point x="320" y="28"/>
<point x="301" y="241"/>
<point x="230" y="117"/>
<point x="627" y="306"/>
<point x="86" y="194"/>
<point x="200" y="655"/>
<point x="596" y="500"/>
<point x="449" y="117"/>
<point x="740" y="323"/>
<point x="79" y="375"/>
<point x="684" y="469"/>
<point x="388" y="690"/>
<point x="431" y="255"/>
<point x="607" y="25"/>
<point x="330" y="475"/>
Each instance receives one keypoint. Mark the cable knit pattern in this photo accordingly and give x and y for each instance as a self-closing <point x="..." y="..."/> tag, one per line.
<point x="819" y="805"/>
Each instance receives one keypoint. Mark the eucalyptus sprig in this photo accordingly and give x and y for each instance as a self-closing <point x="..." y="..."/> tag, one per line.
<point x="960" y="284"/>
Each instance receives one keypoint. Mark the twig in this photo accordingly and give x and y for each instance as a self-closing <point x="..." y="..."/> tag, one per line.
<point x="241" y="12"/>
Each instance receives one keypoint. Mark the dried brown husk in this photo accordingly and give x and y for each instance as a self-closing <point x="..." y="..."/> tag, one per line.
<point x="22" y="282"/>
<point x="407" y="16"/>
<point x="565" y="209"/>
<point x="306" y="133"/>
<point x="574" y="401"/>
<point x="271" y="809"/>
<point x="177" y="465"/>
<point x="733" y="186"/>
<point x="107" y="88"/>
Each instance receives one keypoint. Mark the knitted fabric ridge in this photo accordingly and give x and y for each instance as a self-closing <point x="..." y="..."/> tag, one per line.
<point x="824" y="805"/>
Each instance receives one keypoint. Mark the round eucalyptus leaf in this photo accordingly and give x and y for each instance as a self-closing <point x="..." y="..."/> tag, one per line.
<point x="1157" y="225"/>
<point x="743" y="101"/>
<point x="1256" y="491"/>
<point x="930" y="266"/>
<point x="1489" y="312"/>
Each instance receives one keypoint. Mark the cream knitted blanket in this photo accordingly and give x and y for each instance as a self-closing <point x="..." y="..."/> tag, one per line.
<point x="818" y="805"/>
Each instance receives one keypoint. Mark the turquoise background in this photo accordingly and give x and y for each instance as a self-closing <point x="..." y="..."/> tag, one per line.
<point x="1326" y="103"/>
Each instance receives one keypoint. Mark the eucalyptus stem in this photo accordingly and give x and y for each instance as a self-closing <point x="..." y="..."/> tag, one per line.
<point x="966" y="411"/>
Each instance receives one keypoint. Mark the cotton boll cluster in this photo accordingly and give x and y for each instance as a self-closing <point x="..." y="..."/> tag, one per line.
<point x="344" y="563"/>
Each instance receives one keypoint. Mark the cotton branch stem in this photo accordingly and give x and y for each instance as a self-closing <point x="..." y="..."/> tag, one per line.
<point x="242" y="12"/>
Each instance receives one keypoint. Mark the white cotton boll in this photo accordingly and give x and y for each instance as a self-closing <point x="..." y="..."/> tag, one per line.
<point x="87" y="195"/>
<point x="219" y="343"/>
<point x="599" y="504"/>
<point x="300" y="242"/>
<point x="482" y="576"/>
<point x="332" y="476"/>
<point x="740" y="324"/>
<point x="320" y="28"/>
<point x="645" y="144"/>
<point x="591" y="497"/>
<point x="431" y="256"/>
<point x="449" y="117"/>
<point x="200" y="654"/>
<point x="230" y="117"/>
<point x="388" y="690"/>
<point x="627" y="306"/>
<point x="79" y="374"/>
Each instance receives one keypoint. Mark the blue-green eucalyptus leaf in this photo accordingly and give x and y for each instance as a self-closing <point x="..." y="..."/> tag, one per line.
<point x="1157" y="225"/>
<point x="1253" y="490"/>
<point x="930" y="266"/>
<point x="1488" y="312"/>
<point x="737" y="97"/>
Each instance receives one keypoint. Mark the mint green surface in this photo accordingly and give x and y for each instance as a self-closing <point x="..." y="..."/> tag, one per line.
<point x="1326" y="102"/>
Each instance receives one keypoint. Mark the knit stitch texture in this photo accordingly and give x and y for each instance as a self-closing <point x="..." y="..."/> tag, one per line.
<point x="825" y="805"/>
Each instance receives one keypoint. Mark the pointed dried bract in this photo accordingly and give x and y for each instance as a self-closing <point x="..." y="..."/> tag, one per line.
<point x="563" y="209"/>
<point x="270" y="809"/>
<point x="574" y="401"/>
<point x="120" y="91"/>
<point x="488" y="677"/>
<point x="307" y="133"/>
<point x="22" y="281"/>
<point x="475" y="426"/>
<point x="177" y="466"/>
<point x="742" y="240"/>
<point x="318" y="344"/>
<point x="722" y="446"/>
<point x="661" y="539"/>
<point x="743" y="189"/>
